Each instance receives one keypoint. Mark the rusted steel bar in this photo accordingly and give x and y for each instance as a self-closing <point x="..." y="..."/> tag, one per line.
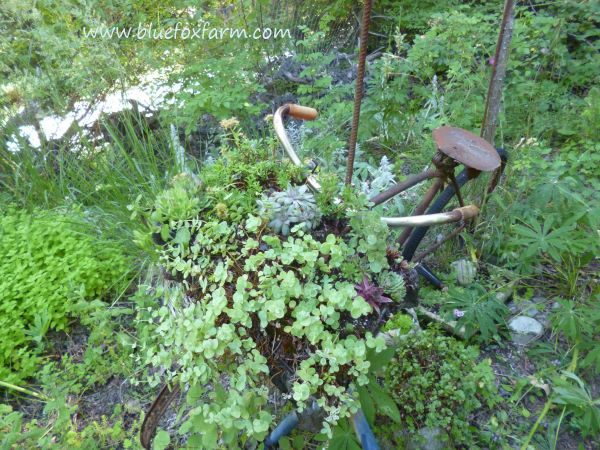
<point x="456" y="215"/>
<point x="358" y="91"/>
<point x="420" y="209"/>
<point x="438" y="244"/>
<point x="494" y="95"/>
<point x="408" y="183"/>
<point x="156" y="411"/>
<point x="456" y="189"/>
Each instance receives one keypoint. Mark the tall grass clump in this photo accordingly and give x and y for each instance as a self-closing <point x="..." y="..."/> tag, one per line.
<point x="103" y="178"/>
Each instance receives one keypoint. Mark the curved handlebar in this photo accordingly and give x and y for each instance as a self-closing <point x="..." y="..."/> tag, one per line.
<point x="306" y="113"/>
<point x="302" y="112"/>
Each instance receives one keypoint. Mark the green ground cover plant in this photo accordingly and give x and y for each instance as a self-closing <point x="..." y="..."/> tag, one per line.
<point x="242" y="288"/>
<point x="437" y="382"/>
<point x="50" y="260"/>
<point x="136" y="251"/>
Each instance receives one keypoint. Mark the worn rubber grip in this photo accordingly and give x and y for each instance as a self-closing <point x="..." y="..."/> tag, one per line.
<point x="468" y="212"/>
<point x="302" y="112"/>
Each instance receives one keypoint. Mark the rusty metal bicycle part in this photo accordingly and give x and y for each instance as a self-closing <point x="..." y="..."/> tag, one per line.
<point x="420" y="209"/>
<point x="440" y="202"/>
<point x="439" y="243"/>
<point x="408" y="183"/>
<point x="424" y="270"/>
<point x="311" y="181"/>
<point x="301" y="112"/>
<point x="466" y="148"/>
<point x="495" y="178"/>
<point x="358" y="91"/>
<point x="456" y="189"/>
<point x="456" y="215"/>
<point x="156" y="411"/>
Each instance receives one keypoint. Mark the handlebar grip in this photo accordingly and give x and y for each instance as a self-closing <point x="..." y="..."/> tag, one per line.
<point x="468" y="211"/>
<point x="302" y="112"/>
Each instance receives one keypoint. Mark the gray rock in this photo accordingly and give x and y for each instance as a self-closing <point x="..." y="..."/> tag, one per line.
<point x="530" y="308"/>
<point x="524" y="329"/>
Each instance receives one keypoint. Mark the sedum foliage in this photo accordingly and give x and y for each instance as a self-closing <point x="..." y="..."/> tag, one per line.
<point x="436" y="381"/>
<point x="248" y="306"/>
<point x="48" y="263"/>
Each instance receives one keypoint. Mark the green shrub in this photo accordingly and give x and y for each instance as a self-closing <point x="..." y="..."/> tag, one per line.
<point x="436" y="382"/>
<point x="48" y="262"/>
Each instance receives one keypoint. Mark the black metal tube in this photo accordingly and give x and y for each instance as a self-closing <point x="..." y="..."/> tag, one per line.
<point x="426" y="273"/>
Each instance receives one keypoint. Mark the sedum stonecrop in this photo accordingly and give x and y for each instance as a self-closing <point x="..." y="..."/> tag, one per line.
<point x="287" y="208"/>
<point x="241" y="302"/>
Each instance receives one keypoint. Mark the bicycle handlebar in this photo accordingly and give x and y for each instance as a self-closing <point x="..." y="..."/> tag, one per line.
<point x="307" y="113"/>
<point x="302" y="112"/>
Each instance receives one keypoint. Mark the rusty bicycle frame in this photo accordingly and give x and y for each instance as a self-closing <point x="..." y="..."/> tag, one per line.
<point x="455" y="146"/>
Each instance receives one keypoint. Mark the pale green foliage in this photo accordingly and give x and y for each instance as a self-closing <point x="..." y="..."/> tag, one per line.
<point x="180" y="201"/>
<point x="369" y="236"/>
<point x="48" y="262"/>
<point x="436" y="382"/>
<point x="293" y="206"/>
<point x="250" y="292"/>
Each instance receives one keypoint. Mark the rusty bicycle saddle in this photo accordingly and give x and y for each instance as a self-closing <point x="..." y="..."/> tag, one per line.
<point x="466" y="148"/>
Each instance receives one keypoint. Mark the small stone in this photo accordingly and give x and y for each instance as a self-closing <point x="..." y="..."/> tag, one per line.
<point x="524" y="329"/>
<point x="530" y="308"/>
<point x="513" y="308"/>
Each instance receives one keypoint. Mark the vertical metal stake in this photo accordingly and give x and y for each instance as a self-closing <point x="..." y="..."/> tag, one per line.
<point x="358" y="91"/>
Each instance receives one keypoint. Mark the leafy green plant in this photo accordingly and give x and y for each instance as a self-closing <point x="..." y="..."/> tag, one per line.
<point x="436" y="382"/>
<point x="369" y="236"/>
<point x="571" y="392"/>
<point x="245" y="299"/>
<point x="181" y="201"/>
<point x="477" y="310"/>
<point x="49" y="261"/>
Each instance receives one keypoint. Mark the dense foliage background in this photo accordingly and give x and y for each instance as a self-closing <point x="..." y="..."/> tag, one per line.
<point x="98" y="222"/>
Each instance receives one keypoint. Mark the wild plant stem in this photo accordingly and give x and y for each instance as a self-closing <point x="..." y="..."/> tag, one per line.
<point x="548" y="404"/>
<point x="24" y="391"/>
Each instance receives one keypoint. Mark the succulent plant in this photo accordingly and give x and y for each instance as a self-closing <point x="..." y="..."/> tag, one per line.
<point x="393" y="285"/>
<point x="372" y="294"/>
<point x="465" y="271"/>
<point x="290" y="207"/>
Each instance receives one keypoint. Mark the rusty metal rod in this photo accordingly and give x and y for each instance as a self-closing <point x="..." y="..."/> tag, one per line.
<point x="408" y="183"/>
<point x="420" y="209"/>
<point x="358" y="92"/>
<point x="456" y="188"/>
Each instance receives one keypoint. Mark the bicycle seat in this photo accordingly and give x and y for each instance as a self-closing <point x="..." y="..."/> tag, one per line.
<point x="466" y="148"/>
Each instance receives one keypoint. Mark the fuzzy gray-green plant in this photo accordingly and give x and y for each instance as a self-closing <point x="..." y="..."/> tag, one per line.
<point x="393" y="285"/>
<point x="290" y="207"/>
